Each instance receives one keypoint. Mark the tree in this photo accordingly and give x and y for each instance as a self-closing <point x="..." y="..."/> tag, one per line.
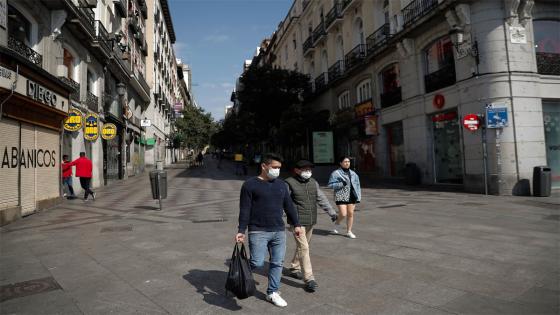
<point x="194" y="129"/>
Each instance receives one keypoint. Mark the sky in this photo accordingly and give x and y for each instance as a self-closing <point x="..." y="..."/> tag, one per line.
<point x="215" y="37"/>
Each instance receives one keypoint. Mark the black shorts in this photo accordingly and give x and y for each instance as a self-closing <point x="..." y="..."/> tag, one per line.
<point x="353" y="200"/>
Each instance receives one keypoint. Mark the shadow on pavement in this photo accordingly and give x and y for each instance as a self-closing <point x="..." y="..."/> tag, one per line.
<point x="211" y="285"/>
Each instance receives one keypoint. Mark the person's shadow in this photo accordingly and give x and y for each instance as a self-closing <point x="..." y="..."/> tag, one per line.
<point x="211" y="284"/>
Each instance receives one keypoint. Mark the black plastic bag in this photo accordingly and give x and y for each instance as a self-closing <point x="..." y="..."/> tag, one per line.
<point x="240" y="280"/>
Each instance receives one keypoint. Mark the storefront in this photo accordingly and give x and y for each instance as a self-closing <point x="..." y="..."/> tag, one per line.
<point x="448" y="158"/>
<point x="112" y="152"/>
<point x="395" y="143"/>
<point x="364" y="143"/>
<point x="551" y="118"/>
<point x="31" y="129"/>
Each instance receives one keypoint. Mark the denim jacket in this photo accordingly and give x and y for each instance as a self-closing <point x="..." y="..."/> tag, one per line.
<point x="338" y="177"/>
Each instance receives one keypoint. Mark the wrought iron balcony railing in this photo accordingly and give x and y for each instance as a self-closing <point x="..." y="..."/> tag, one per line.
<point x="548" y="63"/>
<point x="102" y="36"/>
<point x="92" y="101"/>
<point x="319" y="32"/>
<point x="334" y="14"/>
<point x="391" y="98"/>
<point x="355" y="56"/>
<point x="305" y="3"/>
<point x="417" y="9"/>
<point x="441" y="78"/>
<point x="378" y="38"/>
<point x="336" y="70"/>
<point x="321" y="82"/>
<point x="76" y="94"/>
<point x="345" y="4"/>
<point x="308" y="44"/>
<point x="88" y="16"/>
<point x="21" y="49"/>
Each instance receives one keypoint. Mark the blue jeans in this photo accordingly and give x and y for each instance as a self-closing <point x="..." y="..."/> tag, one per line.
<point x="262" y="243"/>
<point x="68" y="182"/>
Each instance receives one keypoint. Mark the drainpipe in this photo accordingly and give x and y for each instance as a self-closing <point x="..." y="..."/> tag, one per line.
<point x="12" y="93"/>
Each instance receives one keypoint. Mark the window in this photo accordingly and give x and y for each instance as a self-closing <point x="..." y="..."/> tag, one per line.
<point x="344" y="100"/>
<point x="547" y="37"/>
<point x="294" y="42"/>
<point x="363" y="91"/>
<point x="439" y="55"/>
<point x="359" y="37"/>
<point x="19" y="27"/>
<point x="68" y="62"/>
<point x="390" y="78"/>
<point x="91" y="82"/>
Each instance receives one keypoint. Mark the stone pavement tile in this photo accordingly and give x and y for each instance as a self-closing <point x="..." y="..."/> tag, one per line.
<point x="473" y="266"/>
<point x="474" y="304"/>
<point x="327" y="309"/>
<point x="497" y="288"/>
<point x="52" y="302"/>
<point x="128" y="302"/>
<point x="434" y="295"/>
<point x="547" y="300"/>
<point x="19" y="272"/>
<point x="412" y="254"/>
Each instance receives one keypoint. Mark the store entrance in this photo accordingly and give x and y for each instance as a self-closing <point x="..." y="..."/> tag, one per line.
<point x="448" y="162"/>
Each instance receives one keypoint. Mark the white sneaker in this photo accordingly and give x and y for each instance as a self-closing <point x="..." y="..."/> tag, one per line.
<point x="336" y="229"/>
<point x="276" y="299"/>
<point x="351" y="235"/>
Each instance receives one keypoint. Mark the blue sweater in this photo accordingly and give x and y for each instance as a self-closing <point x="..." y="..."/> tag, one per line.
<point x="262" y="204"/>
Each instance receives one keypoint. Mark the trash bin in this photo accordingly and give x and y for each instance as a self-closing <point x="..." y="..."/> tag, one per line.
<point x="159" y="185"/>
<point x="159" y="165"/>
<point x="412" y="174"/>
<point x="542" y="177"/>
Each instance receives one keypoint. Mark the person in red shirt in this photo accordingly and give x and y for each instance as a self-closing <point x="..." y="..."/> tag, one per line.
<point x="84" y="172"/>
<point x="67" y="176"/>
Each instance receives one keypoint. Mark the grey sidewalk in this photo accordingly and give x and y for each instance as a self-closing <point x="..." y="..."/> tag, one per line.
<point x="417" y="252"/>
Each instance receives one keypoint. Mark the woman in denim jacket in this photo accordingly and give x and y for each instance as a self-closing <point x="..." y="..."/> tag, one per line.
<point x="347" y="193"/>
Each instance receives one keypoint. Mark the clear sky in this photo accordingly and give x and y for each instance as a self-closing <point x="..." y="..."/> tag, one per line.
<point x="215" y="37"/>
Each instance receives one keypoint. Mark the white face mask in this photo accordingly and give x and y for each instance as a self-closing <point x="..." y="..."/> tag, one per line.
<point x="273" y="173"/>
<point x="305" y="174"/>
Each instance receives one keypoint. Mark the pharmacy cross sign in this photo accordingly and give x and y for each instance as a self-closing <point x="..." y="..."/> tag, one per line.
<point x="471" y="122"/>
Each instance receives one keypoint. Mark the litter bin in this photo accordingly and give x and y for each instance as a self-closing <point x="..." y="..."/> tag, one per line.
<point x="159" y="165"/>
<point x="542" y="181"/>
<point x="412" y="175"/>
<point x="159" y="184"/>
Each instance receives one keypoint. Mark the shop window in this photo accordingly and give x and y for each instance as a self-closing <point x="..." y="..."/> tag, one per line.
<point x="390" y="86"/>
<point x="447" y="148"/>
<point x="363" y="91"/>
<point x="440" y="65"/>
<point x="551" y="118"/>
<point x="344" y="100"/>
<point x="547" y="46"/>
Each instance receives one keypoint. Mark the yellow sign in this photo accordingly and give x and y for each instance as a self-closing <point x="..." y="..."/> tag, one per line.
<point x="74" y="121"/>
<point x="109" y="131"/>
<point x="91" y="131"/>
<point x="238" y="157"/>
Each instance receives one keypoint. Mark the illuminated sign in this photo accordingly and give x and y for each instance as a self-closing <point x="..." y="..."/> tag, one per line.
<point x="91" y="131"/>
<point x="74" y="121"/>
<point x="109" y="131"/>
<point x="363" y="109"/>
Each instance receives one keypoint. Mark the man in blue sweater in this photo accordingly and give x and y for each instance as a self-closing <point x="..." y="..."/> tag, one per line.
<point x="262" y="202"/>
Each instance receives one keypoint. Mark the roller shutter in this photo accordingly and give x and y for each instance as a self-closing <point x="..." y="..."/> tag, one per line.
<point x="9" y="141"/>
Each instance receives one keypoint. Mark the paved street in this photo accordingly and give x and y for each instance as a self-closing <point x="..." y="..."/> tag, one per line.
<point x="417" y="252"/>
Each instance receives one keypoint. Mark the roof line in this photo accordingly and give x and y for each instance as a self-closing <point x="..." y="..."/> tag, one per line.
<point x="168" y="22"/>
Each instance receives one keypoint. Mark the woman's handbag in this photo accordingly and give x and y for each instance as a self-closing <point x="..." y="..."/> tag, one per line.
<point x="240" y="280"/>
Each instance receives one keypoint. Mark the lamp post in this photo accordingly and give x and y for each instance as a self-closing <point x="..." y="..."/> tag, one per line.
<point x="121" y="91"/>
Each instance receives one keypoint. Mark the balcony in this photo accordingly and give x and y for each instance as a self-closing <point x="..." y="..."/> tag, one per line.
<point x="76" y="94"/>
<point x="336" y="71"/>
<point x="391" y="98"/>
<point x="319" y="33"/>
<point x="26" y="52"/>
<point x="355" y="56"/>
<point x="120" y="7"/>
<point x="305" y="3"/>
<point x="417" y="9"/>
<point x="334" y="16"/>
<point x="101" y="38"/>
<point x="349" y="5"/>
<point x="308" y="45"/>
<point x="87" y="16"/>
<point x="321" y="82"/>
<point x="441" y="78"/>
<point x="378" y="38"/>
<point x="548" y="63"/>
<point x="92" y="102"/>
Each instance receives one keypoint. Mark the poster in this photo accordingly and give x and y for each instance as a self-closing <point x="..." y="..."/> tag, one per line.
<point x="323" y="147"/>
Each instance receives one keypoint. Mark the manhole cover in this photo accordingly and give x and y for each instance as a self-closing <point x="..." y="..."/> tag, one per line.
<point x="123" y="228"/>
<point x="553" y="217"/>
<point x="209" y="221"/>
<point x="30" y="287"/>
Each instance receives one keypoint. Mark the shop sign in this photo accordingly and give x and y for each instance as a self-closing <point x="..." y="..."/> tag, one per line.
<point x="363" y="109"/>
<point x="74" y="121"/>
<point x="439" y="101"/>
<point x="91" y="131"/>
<point x="444" y="116"/>
<point x="371" y="125"/>
<point x="109" y="131"/>
<point x="323" y="147"/>
<point x="41" y="93"/>
<point x="471" y="122"/>
<point x="496" y="116"/>
<point x="28" y="158"/>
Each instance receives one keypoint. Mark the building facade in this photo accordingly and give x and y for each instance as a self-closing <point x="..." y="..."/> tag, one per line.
<point x="398" y="77"/>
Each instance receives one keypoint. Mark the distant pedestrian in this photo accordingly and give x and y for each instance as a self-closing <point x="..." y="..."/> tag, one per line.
<point x="347" y="193"/>
<point x="306" y="195"/>
<point x="238" y="159"/>
<point x="200" y="159"/>
<point x="67" y="177"/>
<point x="262" y="202"/>
<point x="84" y="169"/>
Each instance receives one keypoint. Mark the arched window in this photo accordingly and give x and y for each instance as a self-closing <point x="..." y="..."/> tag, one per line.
<point x="344" y="100"/>
<point x="359" y="37"/>
<point x="363" y="91"/>
<point x="72" y="64"/>
<point x="324" y="61"/>
<point x="339" y="48"/>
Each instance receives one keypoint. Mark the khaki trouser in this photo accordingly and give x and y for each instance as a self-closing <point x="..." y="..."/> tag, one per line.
<point x="302" y="261"/>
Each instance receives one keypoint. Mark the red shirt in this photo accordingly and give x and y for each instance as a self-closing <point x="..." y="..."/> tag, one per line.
<point x="83" y="167"/>
<point x="66" y="169"/>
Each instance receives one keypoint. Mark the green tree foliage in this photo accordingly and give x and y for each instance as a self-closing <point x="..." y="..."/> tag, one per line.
<point x="195" y="129"/>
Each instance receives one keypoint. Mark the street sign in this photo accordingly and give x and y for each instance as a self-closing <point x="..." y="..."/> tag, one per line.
<point x="145" y="123"/>
<point x="496" y="117"/>
<point x="471" y="122"/>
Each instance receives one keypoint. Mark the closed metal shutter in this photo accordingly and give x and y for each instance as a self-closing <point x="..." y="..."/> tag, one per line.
<point x="48" y="176"/>
<point x="9" y="139"/>
<point x="28" y="173"/>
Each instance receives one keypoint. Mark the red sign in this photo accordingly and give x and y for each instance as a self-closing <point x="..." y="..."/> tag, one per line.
<point x="471" y="122"/>
<point x="439" y="101"/>
<point x="444" y="116"/>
